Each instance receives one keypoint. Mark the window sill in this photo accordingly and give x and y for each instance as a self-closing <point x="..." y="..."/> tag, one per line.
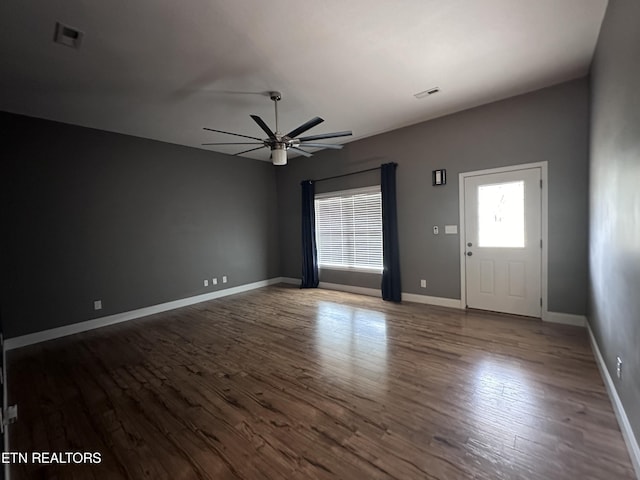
<point x="351" y="269"/>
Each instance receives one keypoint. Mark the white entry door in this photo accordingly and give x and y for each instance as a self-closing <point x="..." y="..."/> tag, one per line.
<point x="503" y="241"/>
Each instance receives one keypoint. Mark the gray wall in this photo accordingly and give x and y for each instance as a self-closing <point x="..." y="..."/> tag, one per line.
<point x="550" y="124"/>
<point x="614" y="312"/>
<point x="89" y="215"/>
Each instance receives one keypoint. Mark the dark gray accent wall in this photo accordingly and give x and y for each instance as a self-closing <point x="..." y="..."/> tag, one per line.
<point x="550" y="124"/>
<point x="89" y="215"/>
<point x="614" y="246"/>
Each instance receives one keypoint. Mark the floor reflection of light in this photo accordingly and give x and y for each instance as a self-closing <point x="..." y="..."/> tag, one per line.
<point x="352" y="345"/>
<point x="503" y="403"/>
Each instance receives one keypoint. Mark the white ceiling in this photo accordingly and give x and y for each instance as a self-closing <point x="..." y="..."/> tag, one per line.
<point x="163" y="69"/>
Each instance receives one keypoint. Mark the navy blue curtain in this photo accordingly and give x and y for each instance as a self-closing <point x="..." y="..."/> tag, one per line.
<point x="310" y="277"/>
<point x="391" y="288"/>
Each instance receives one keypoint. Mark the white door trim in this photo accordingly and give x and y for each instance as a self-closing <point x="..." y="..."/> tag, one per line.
<point x="544" y="227"/>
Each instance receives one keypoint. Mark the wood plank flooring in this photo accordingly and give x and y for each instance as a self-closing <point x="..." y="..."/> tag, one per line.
<point x="282" y="383"/>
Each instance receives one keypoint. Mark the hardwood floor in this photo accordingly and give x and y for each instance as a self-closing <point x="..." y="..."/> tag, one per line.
<point x="282" y="383"/>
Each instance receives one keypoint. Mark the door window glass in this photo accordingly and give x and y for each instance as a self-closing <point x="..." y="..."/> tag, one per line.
<point x="501" y="215"/>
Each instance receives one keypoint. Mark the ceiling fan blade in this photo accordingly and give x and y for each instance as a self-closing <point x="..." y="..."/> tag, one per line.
<point x="301" y="152"/>
<point x="234" y="143"/>
<point x="264" y="127"/>
<point x="304" y="127"/>
<point x="247" y="151"/>
<point x="229" y="133"/>
<point x="326" y="135"/>
<point x="321" y="145"/>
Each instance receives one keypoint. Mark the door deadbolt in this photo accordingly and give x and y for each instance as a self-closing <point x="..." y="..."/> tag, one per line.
<point x="469" y="244"/>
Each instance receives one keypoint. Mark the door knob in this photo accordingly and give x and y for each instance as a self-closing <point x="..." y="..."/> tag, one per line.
<point x="469" y="254"/>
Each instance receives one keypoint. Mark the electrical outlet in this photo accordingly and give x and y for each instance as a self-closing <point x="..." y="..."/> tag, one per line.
<point x="423" y="283"/>
<point x="206" y="283"/>
<point x="97" y="305"/>
<point x="224" y="279"/>
<point x="214" y="281"/>
<point x="619" y="368"/>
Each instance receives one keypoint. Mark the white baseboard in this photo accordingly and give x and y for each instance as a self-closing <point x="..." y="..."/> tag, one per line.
<point x="408" y="297"/>
<point x="552" y="317"/>
<point x="618" y="408"/>
<point x="565" y="318"/>
<point x="372" y="292"/>
<point x="438" y="301"/>
<point x="43" y="336"/>
<point x="290" y="280"/>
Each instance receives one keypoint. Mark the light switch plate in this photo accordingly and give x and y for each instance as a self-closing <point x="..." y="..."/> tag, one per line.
<point x="450" y="229"/>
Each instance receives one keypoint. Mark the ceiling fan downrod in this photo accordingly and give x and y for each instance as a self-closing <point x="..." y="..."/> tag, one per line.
<point x="278" y="148"/>
<point x="276" y="97"/>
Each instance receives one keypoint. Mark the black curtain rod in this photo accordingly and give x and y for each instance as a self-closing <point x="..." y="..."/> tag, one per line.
<point x="345" y="174"/>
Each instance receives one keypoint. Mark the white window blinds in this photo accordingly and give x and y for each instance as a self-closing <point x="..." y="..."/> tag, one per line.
<point x="349" y="229"/>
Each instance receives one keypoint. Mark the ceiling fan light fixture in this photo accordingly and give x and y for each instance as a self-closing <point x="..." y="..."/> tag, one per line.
<point x="279" y="155"/>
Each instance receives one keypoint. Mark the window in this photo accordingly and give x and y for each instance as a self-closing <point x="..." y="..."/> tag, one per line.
<point x="349" y="229"/>
<point x="501" y="215"/>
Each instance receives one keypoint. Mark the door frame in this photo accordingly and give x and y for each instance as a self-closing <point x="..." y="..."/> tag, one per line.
<point x="543" y="166"/>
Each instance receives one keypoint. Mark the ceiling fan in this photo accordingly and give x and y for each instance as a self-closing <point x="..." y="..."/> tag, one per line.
<point x="278" y="143"/>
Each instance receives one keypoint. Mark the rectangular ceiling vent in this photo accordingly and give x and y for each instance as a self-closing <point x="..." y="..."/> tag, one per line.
<point x="426" y="93"/>
<point x="67" y="36"/>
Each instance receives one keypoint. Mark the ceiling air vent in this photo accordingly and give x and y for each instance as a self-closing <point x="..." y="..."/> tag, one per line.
<point x="67" y="36"/>
<point x="426" y="93"/>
